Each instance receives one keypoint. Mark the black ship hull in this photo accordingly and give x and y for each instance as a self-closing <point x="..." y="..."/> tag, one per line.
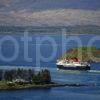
<point x="73" y="68"/>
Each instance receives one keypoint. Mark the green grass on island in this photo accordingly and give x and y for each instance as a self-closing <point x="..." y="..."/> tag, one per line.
<point x="18" y="86"/>
<point x="91" y="54"/>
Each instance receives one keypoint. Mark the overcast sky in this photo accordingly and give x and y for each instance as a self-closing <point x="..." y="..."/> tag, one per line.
<point x="50" y="12"/>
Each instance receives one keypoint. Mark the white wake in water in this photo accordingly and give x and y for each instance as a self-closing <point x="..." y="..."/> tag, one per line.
<point x="94" y="71"/>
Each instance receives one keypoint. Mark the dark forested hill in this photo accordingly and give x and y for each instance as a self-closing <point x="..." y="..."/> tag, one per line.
<point x="72" y="30"/>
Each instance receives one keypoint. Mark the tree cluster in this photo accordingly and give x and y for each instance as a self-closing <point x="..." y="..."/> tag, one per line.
<point x="28" y="75"/>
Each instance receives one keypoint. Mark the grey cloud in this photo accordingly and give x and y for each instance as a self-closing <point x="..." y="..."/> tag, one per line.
<point x="60" y="17"/>
<point x="50" y="12"/>
<point x="34" y="5"/>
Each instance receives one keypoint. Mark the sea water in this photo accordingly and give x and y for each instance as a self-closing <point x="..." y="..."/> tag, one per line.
<point x="92" y="77"/>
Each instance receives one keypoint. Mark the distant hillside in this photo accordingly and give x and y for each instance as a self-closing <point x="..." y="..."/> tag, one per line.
<point x="88" y="29"/>
<point x="72" y="53"/>
<point x="71" y="30"/>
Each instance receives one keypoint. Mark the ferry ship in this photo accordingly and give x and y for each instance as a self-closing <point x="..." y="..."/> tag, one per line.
<point x="73" y="64"/>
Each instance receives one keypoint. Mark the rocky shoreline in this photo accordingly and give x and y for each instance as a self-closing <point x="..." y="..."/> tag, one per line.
<point x="45" y="86"/>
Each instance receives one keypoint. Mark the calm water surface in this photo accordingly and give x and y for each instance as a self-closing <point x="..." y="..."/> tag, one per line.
<point x="91" y="77"/>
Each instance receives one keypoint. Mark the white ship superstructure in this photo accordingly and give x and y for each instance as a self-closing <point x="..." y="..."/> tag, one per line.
<point x="73" y="64"/>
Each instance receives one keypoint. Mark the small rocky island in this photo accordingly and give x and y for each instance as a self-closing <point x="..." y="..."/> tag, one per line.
<point x="19" y="79"/>
<point x="88" y="54"/>
<point x="24" y="78"/>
